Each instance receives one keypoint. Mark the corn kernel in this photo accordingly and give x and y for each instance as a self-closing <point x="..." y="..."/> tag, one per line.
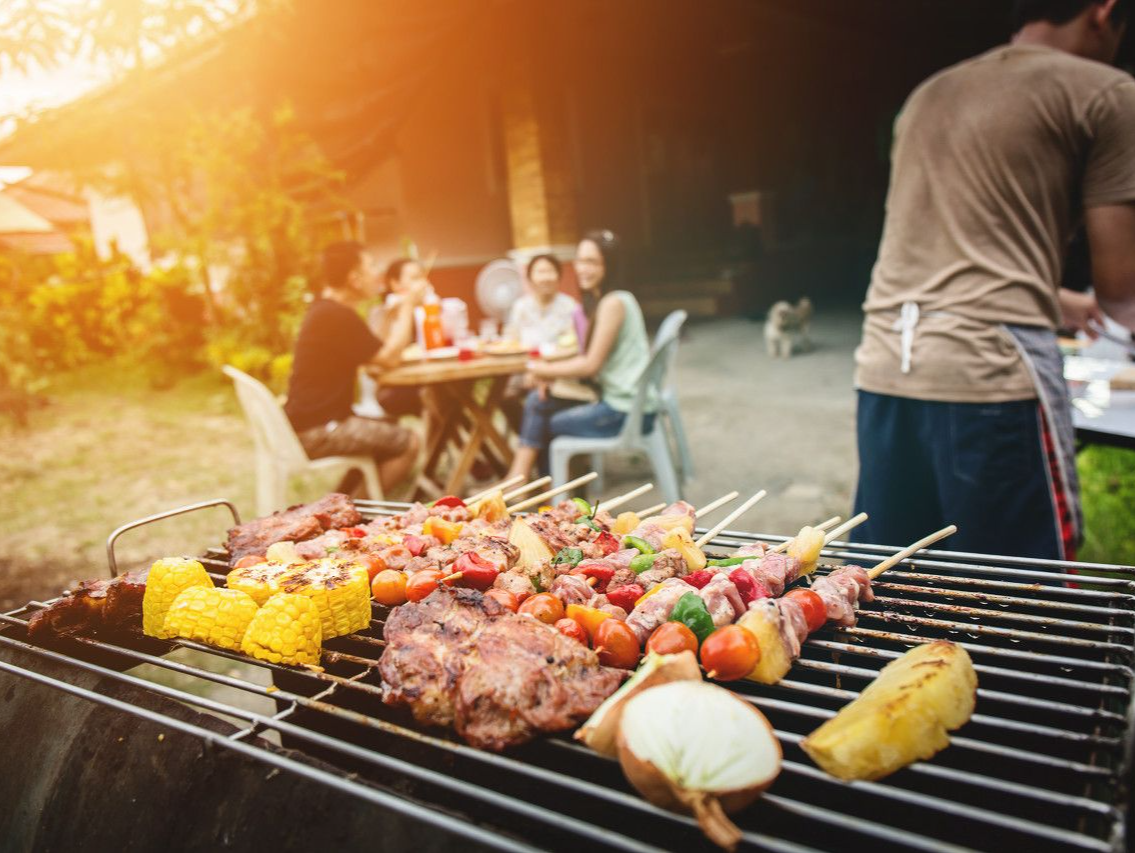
<point x="285" y="630"/>
<point x="218" y="617"/>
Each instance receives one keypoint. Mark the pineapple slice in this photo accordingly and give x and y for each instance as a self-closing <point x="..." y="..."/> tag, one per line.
<point x="901" y="717"/>
<point x="492" y="508"/>
<point x="806" y="547"/>
<point x="625" y="523"/>
<point x="680" y="540"/>
<point x="533" y="549"/>
<point x="764" y="621"/>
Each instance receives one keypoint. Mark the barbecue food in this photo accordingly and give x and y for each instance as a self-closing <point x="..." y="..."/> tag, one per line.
<point x="110" y="605"/>
<point x="285" y="630"/>
<point x="902" y="716"/>
<point x="297" y="523"/>
<point x="259" y="581"/>
<point x="168" y="578"/>
<point x="339" y="589"/>
<point x="460" y="658"/>
<point x="533" y="550"/>
<point x="217" y="617"/>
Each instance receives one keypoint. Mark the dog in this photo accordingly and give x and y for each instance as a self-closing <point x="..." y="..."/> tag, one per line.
<point x="785" y="323"/>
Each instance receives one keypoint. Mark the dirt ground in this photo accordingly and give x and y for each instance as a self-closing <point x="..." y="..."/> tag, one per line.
<point x="108" y="449"/>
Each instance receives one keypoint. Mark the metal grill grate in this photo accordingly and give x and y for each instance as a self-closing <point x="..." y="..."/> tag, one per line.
<point x="1043" y="765"/>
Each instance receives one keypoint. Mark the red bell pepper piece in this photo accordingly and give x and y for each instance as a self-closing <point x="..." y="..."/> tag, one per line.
<point x="699" y="579"/>
<point x="625" y="596"/>
<point x="354" y="532"/>
<point x="414" y="544"/>
<point x="476" y="572"/>
<point x="450" y="501"/>
<point x="608" y="542"/>
<point x="747" y="586"/>
<point x="600" y="571"/>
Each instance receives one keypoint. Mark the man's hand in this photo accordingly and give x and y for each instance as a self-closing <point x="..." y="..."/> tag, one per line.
<point x="1077" y="309"/>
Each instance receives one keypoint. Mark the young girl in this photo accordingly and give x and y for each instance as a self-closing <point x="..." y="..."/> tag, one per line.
<point x="616" y="353"/>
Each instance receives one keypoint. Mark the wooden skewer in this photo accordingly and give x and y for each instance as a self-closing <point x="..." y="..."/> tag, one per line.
<point x="456" y="576"/>
<point x="725" y="522"/>
<point x="893" y="561"/>
<point x="528" y="487"/>
<point x="543" y="496"/>
<point x="592" y="581"/>
<point x="501" y="486"/>
<point x="712" y="505"/>
<point x="850" y="524"/>
<point x="823" y="525"/>
<point x="616" y="502"/>
<point x="711" y="674"/>
<point x="651" y="510"/>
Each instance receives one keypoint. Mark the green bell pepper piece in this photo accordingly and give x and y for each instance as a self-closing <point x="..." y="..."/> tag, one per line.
<point x="641" y="545"/>
<point x="642" y="562"/>
<point x="585" y="508"/>
<point x="725" y="562"/>
<point x="569" y="556"/>
<point x="690" y="611"/>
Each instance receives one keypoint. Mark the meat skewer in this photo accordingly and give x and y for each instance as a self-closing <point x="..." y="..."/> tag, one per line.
<point x="551" y="493"/>
<point x="729" y="519"/>
<point x="615" y="503"/>
<point x="717" y="504"/>
<point x="651" y="510"/>
<point x="499" y="487"/>
<point x="527" y="487"/>
<point x="823" y="525"/>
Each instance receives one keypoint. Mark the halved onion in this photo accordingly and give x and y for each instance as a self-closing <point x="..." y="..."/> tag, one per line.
<point x="601" y="730"/>
<point x="284" y="552"/>
<point x="697" y="748"/>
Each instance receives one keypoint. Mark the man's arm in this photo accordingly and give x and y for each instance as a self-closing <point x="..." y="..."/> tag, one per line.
<point x="399" y="333"/>
<point x="1111" y="237"/>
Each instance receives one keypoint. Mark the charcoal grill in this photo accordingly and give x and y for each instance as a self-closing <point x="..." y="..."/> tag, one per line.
<point x="1044" y="764"/>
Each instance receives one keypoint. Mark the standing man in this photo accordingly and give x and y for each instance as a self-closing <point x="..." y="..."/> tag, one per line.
<point x="963" y="414"/>
<point x="333" y="343"/>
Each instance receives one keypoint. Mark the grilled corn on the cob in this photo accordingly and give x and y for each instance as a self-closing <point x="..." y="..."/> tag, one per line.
<point x="340" y="590"/>
<point x="259" y="581"/>
<point x="285" y="630"/>
<point x="167" y="579"/>
<point x="215" y="616"/>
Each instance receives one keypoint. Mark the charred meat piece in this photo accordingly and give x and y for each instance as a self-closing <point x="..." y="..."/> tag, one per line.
<point x="459" y="658"/>
<point x="296" y="524"/>
<point x="110" y="605"/>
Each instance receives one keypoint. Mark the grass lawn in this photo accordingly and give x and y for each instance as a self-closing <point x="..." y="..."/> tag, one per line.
<point x="1107" y="480"/>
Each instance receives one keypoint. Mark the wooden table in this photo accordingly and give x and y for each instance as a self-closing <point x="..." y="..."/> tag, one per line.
<point x="454" y="415"/>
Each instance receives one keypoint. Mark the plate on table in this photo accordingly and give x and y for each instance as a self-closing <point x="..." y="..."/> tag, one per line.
<point x="414" y="353"/>
<point x="504" y="348"/>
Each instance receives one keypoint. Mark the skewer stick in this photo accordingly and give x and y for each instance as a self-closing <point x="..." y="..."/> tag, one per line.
<point x="712" y="505"/>
<point x="528" y="487"/>
<point x="543" y="496"/>
<point x="456" y="576"/>
<point x="501" y="486"/>
<point x="823" y="525"/>
<point x="893" y="561"/>
<point x="725" y="522"/>
<point x="850" y="524"/>
<point x="651" y="510"/>
<point x="592" y="581"/>
<point x="616" y="502"/>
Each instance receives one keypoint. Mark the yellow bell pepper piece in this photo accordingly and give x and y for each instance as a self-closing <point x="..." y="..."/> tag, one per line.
<point x="444" y="530"/>
<point x="589" y="617"/>
<point x="647" y="595"/>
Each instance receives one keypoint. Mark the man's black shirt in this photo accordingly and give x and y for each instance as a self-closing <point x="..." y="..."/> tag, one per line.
<point x="332" y="343"/>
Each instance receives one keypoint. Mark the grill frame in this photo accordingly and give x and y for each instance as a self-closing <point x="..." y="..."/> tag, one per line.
<point x="337" y="716"/>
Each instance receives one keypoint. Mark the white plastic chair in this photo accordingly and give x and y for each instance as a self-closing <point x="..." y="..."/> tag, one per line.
<point x="631" y="438"/>
<point x="279" y="454"/>
<point x="668" y="401"/>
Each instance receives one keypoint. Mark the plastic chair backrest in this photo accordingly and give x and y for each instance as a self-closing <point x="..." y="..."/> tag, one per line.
<point x="650" y="384"/>
<point x="271" y="430"/>
<point x="671" y="327"/>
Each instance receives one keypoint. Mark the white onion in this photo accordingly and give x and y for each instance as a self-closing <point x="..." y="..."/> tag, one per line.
<point x="695" y="747"/>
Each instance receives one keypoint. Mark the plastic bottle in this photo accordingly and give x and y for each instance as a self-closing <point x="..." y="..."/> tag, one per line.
<point x="432" y="335"/>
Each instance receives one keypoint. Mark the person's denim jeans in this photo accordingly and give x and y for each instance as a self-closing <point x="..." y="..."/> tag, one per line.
<point x="545" y="419"/>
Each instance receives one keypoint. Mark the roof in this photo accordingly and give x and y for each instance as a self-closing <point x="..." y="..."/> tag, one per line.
<point x="15" y="218"/>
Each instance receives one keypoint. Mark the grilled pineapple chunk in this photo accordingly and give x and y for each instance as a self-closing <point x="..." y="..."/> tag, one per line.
<point x="901" y="717"/>
<point x="806" y="547"/>
<point x="680" y="540"/>
<point x="338" y="588"/>
<point x="167" y="579"/>
<point x="285" y="630"/>
<point x="260" y="582"/>
<point x="533" y="549"/>
<point x="764" y="621"/>
<point x="492" y="508"/>
<point x="218" y="617"/>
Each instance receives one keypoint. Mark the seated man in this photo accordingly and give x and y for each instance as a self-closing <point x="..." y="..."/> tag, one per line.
<point x="333" y="343"/>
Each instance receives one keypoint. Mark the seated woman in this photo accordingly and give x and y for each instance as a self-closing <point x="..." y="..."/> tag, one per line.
<point x="544" y="315"/>
<point x="616" y="353"/>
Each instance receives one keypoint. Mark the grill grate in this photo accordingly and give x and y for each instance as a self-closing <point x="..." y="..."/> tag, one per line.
<point x="1043" y="765"/>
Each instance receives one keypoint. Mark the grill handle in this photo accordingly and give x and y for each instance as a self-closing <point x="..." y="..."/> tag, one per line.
<point x="169" y="513"/>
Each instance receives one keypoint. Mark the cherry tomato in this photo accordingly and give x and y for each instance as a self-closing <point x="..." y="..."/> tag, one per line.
<point x="505" y="598"/>
<point x="617" y="644"/>
<point x="389" y="587"/>
<point x="815" y="614"/>
<point x="571" y="628"/>
<point x="249" y="560"/>
<point x="544" y="606"/>
<point x="422" y="584"/>
<point x="450" y="501"/>
<point x="669" y="638"/>
<point x="730" y="653"/>
<point x="374" y="564"/>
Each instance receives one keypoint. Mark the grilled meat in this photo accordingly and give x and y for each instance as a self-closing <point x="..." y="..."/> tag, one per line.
<point x="459" y="658"/>
<point x="296" y="524"/>
<point x="841" y="592"/>
<point x="96" y="606"/>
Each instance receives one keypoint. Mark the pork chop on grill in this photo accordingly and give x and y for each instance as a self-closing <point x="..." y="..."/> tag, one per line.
<point x="459" y="658"/>
<point x="107" y="606"/>
<point x="295" y="524"/>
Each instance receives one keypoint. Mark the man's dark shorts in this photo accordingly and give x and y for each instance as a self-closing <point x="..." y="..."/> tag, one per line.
<point x="378" y="438"/>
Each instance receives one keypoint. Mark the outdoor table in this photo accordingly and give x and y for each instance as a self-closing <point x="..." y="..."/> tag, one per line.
<point x="1101" y="414"/>
<point x="448" y="393"/>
